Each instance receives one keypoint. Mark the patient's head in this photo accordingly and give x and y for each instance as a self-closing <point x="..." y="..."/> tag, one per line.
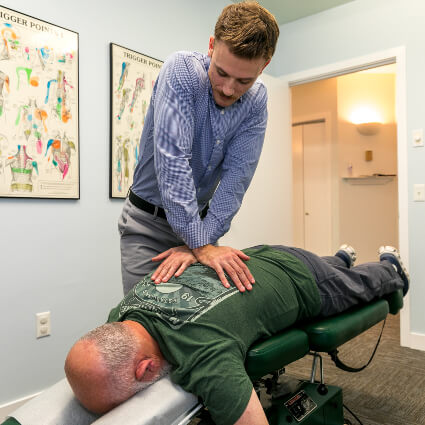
<point x="111" y="363"/>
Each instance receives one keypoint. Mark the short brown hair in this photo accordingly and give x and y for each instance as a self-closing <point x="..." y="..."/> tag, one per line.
<point x="248" y="29"/>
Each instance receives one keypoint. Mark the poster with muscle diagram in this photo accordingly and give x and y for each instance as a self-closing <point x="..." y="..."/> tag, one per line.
<point x="39" y="143"/>
<point x="133" y="76"/>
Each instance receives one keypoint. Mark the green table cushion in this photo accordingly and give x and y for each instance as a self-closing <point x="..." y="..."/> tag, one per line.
<point x="10" y="421"/>
<point x="276" y="352"/>
<point x="327" y="334"/>
<point x="395" y="301"/>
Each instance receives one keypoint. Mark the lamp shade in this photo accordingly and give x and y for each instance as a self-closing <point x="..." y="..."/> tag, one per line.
<point x="369" y="128"/>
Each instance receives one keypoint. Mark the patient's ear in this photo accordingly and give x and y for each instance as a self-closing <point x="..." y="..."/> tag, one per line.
<point x="145" y="369"/>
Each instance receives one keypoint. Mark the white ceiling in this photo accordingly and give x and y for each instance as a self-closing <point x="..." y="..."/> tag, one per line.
<point x="290" y="10"/>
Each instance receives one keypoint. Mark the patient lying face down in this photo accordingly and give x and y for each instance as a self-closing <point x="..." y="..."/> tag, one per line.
<point x="200" y="331"/>
<point x="108" y="365"/>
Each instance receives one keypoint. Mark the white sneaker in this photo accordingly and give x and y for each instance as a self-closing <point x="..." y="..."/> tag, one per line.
<point x="348" y="254"/>
<point x="391" y="254"/>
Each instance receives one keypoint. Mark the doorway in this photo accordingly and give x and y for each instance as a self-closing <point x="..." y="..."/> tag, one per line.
<point x="311" y="186"/>
<point x="345" y="185"/>
<point x="398" y="56"/>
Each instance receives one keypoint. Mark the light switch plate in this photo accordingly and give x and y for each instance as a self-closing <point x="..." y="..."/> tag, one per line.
<point x="419" y="192"/>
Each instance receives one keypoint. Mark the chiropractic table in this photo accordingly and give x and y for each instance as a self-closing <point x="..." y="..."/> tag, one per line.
<point x="163" y="403"/>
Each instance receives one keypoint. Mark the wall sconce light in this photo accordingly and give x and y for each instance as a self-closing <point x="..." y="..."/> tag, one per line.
<point x="367" y="121"/>
<point x="369" y="128"/>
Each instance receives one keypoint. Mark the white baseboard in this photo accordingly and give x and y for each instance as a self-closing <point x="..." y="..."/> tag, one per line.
<point x="417" y="341"/>
<point x="7" y="409"/>
<point x="408" y="338"/>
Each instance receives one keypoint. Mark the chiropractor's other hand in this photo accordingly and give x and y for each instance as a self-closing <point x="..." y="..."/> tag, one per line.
<point x="226" y="259"/>
<point x="174" y="262"/>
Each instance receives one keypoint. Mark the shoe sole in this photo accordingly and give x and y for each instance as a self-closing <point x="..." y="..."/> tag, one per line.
<point x="390" y="250"/>
<point x="350" y="251"/>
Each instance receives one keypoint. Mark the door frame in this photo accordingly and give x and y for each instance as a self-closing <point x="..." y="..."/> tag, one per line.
<point x="395" y="55"/>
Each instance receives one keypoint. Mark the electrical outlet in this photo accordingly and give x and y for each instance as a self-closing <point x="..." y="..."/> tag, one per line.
<point x="43" y="324"/>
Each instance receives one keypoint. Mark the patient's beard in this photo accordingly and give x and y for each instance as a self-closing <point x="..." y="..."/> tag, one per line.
<point x="141" y="385"/>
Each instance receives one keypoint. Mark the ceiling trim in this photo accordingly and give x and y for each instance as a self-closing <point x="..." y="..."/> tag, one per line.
<point x="343" y="71"/>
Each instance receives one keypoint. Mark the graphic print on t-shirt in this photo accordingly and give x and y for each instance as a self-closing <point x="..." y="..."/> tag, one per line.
<point x="175" y="302"/>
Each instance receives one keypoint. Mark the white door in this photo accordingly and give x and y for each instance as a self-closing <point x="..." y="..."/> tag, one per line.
<point x="312" y="188"/>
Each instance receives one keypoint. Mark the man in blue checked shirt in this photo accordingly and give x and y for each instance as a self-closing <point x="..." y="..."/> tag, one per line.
<point x="200" y="146"/>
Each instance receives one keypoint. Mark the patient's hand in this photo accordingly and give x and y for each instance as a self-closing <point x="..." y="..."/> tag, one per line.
<point x="226" y="259"/>
<point x="174" y="262"/>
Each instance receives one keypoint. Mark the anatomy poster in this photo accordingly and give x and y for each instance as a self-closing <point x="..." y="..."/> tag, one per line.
<point x="133" y="76"/>
<point x="39" y="149"/>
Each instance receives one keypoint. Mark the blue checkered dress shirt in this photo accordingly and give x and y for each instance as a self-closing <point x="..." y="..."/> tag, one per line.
<point x="192" y="151"/>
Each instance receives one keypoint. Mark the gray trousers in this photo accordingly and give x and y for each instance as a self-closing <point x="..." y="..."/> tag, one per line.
<point x="341" y="287"/>
<point x="143" y="236"/>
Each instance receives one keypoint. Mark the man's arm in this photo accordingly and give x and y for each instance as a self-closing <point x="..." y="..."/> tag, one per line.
<point x="173" y="139"/>
<point x="254" y="413"/>
<point x="239" y="166"/>
<point x="173" y="146"/>
<point x="221" y="382"/>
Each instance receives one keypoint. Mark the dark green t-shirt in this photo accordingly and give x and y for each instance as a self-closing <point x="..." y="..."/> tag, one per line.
<point x="204" y="329"/>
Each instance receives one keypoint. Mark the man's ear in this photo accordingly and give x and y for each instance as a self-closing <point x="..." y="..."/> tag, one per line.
<point x="211" y="46"/>
<point x="146" y="370"/>
<point x="142" y="368"/>
<point x="265" y="65"/>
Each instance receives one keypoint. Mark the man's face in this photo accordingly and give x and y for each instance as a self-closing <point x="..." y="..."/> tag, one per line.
<point x="230" y="75"/>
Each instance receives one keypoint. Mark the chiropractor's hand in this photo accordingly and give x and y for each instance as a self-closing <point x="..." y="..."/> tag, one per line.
<point x="174" y="262"/>
<point x="226" y="259"/>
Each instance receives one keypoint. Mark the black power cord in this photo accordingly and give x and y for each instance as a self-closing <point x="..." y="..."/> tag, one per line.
<point x="341" y="365"/>
<point x="334" y="356"/>
<point x="352" y="414"/>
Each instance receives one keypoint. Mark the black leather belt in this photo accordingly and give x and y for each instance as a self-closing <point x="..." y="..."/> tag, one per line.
<point x="150" y="208"/>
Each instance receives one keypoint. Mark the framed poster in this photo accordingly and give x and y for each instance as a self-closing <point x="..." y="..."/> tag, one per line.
<point x="133" y="76"/>
<point x="39" y="136"/>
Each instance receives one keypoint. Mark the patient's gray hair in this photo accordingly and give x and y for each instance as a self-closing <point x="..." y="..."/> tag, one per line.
<point x="117" y="347"/>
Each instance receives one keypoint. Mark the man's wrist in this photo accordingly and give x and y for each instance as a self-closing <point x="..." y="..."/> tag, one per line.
<point x="200" y="250"/>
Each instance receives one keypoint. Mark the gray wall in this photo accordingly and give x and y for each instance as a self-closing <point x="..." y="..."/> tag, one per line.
<point x="357" y="29"/>
<point x="63" y="256"/>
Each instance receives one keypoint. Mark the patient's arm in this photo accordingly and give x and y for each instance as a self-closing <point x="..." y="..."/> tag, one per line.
<point x="254" y="413"/>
